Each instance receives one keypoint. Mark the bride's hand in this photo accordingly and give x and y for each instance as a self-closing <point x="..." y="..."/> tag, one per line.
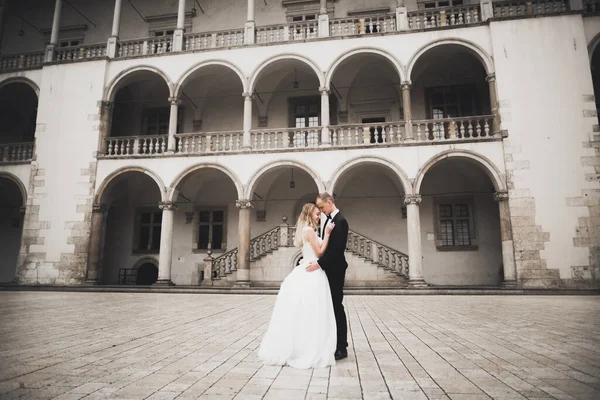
<point x="329" y="228"/>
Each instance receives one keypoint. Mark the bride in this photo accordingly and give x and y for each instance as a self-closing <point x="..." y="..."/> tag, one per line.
<point x="302" y="331"/>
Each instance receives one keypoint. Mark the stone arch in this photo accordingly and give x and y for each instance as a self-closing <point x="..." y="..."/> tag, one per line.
<point x="593" y="45"/>
<point x="488" y="166"/>
<point x="406" y="184"/>
<point x="477" y="51"/>
<point x="364" y="50"/>
<point x="183" y="79"/>
<point x="283" y="163"/>
<point x="106" y="182"/>
<point x="145" y="260"/>
<point x="287" y="56"/>
<point x="24" y="80"/>
<point x="113" y="87"/>
<point x="15" y="179"/>
<point x="172" y="195"/>
<point x="295" y="259"/>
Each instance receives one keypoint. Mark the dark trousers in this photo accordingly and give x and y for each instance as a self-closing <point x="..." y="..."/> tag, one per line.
<point x="336" y="284"/>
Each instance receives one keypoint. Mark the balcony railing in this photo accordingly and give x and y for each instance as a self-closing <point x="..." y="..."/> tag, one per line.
<point x="143" y="47"/>
<point x="591" y="6"/>
<point x="213" y="40"/>
<point x="14" y="62"/>
<point x="363" y="25"/>
<point x="464" y="128"/>
<point x="287" y="32"/>
<point x="285" y="138"/>
<point x="84" y="52"/>
<point x="442" y="17"/>
<point x="136" y="145"/>
<point x="368" y="134"/>
<point x="16" y="152"/>
<point x="522" y="8"/>
<point x="208" y="142"/>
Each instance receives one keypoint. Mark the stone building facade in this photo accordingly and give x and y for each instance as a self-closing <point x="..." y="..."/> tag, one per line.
<point x="460" y="139"/>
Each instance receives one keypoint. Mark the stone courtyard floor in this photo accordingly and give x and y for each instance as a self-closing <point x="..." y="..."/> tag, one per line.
<point x="68" y="345"/>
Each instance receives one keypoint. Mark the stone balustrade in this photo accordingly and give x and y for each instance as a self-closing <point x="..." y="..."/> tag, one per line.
<point x="467" y="128"/>
<point x="85" y="52"/>
<point x="285" y="138"/>
<point x="591" y="6"/>
<point x="367" y="134"/>
<point x="16" y="152"/>
<point x="363" y="25"/>
<point x="384" y="256"/>
<point x="443" y="17"/>
<point x="213" y="40"/>
<point x="144" y="47"/>
<point x="15" y="62"/>
<point x="521" y="8"/>
<point x="136" y="146"/>
<point x="287" y="32"/>
<point x="207" y="142"/>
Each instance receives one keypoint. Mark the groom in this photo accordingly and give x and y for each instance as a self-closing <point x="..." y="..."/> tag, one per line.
<point x="334" y="264"/>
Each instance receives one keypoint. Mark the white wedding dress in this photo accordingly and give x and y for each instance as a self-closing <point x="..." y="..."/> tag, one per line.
<point x="302" y="332"/>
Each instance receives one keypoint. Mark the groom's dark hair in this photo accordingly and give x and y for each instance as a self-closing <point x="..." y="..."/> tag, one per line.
<point x="325" y="197"/>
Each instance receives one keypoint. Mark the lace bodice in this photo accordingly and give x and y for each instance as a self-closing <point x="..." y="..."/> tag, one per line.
<point x="308" y="254"/>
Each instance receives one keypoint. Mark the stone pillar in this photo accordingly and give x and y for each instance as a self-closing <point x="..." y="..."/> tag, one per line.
<point x="171" y="145"/>
<point x="491" y="79"/>
<point x="99" y="213"/>
<point x="323" y="20"/>
<point x="250" y="25"/>
<point x="106" y="110"/>
<point x="55" y="31"/>
<point x="487" y="11"/>
<point x="166" y="243"/>
<point x="401" y="16"/>
<point x="415" y="265"/>
<point x="111" y="48"/>
<point x="178" y="33"/>
<point x="247" y="139"/>
<point x="508" y="251"/>
<point x="576" y="5"/>
<point x="325" y="136"/>
<point x="407" y="106"/>
<point x="243" y="269"/>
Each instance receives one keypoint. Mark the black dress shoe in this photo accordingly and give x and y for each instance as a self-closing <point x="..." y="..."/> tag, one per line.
<point x="340" y="354"/>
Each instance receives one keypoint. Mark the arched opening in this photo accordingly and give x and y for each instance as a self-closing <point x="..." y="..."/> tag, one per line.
<point x="132" y="226"/>
<point x="18" y="113"/>
<point x="366" y="86"/>
<point x="286" y="95"/>
<point x="460" y="225"/>
<point x="141" y="107"/>
<point x="206" y="219"/>
<point x="211" y="100"/>
<point x="595" y="66"/>
<point x="450" y="96"/>
<point x="147" y="274"/>
<point x="11" y="227"/>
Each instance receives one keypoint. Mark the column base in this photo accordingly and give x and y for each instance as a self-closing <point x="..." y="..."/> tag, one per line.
<point x="417" y="283"/>
<point x="163" y="282"/>
<point x="509" y="284"/>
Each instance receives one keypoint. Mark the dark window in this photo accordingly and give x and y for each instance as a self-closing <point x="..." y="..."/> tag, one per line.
<point x="148" y="230"/>
<point x="211" y="229"/>
<point x="455" y="223"/>
<point x="452" y="101"/>
<point x="306" y="113"/>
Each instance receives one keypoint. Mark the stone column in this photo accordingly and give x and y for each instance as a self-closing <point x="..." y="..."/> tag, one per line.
<point x="508" y="251"/>
<point x="415" y="265"/>
<point x="247" y="139"/>
<point x="243" y="269"/>
<point x="407" y="106"/>
<point x="323" y="20"/>
<point x="99" y="213"/>
<point x="250" y="25"/>
<point x="55" y="31"/>
<point x="491" y="79"/>
<point x="106" y="110"/>
<point x="111" y="49"/>
<point x="487" y="11"/>
<point x="325" y="136"/>
<point x="166" y="243"/>
<point x="178" y="33"/>
<point x="175" y="102"/>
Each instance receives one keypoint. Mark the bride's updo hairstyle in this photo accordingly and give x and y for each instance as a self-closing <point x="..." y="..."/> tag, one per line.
<point x="304" y="220"/>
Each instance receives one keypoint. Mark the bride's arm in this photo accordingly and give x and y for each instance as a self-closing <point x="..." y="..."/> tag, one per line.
<point x="311" y="235"/>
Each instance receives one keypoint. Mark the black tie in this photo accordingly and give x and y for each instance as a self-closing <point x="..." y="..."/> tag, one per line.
<point x="324" y="226"/>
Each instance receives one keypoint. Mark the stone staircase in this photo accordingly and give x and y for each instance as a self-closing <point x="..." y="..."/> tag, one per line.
<point x="273" y="256"/>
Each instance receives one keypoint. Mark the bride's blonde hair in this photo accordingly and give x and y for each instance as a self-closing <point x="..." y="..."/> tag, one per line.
<point x="304" y="220"/>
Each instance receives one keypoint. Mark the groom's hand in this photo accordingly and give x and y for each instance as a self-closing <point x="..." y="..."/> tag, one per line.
<point x="313" y="266"/>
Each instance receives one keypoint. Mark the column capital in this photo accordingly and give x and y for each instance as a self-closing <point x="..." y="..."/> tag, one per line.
<point x="175" y="101"/>
<point x="243" y="204"/>
<point x="167" y="206"/>
<point x="406" y="85"/>
<point x="501" y="195"/>
<point x="247" y="95"/>
<point x="100" y="208"/>
<point x="491" y="77"/>
<point x="324" y="90"/>
<point x="412" y="199"/>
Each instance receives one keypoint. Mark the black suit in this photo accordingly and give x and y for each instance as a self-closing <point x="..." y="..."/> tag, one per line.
<point x="333" y="262"/>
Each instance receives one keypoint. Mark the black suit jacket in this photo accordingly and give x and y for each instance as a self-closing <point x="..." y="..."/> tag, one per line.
<point x="334" y="259"/>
